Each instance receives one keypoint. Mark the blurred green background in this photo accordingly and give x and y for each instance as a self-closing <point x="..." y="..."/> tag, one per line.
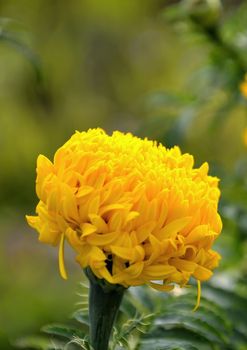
<point x="168" y="70"/>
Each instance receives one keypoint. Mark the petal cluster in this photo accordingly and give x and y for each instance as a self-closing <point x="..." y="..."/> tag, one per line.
<point x="135" y="212"/>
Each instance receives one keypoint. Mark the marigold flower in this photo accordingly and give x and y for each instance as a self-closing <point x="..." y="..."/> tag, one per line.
<point x="135" y="212"/>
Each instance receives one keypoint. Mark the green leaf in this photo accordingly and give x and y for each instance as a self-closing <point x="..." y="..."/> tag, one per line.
<point x="197" y="326"/>
<point x="13" y="38"/>
<point x="81" y="317"/>
<point x="208" y="311"/>
<point x="63" y="331"/>
<point x="171" y="344"/>
<point x="123" y="333"/>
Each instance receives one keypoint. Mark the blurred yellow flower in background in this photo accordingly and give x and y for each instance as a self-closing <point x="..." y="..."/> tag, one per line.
<point x="243" y="86"/>
<point x="135" y="212"/>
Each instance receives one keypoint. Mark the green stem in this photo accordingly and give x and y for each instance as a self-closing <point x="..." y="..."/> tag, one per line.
<point x="104" y="302"/>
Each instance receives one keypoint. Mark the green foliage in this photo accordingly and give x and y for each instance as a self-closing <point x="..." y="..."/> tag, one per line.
<point x="63" y="331"/>
<point x="150" y="320"/>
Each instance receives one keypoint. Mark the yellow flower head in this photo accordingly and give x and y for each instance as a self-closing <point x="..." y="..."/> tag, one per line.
<point x="135" y="212"/>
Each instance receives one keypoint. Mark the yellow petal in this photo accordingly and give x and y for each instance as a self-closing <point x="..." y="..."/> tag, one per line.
<point x="84" y="191"/>
<point x="132" y="215"/>
<point x="135" y="270"/>
<point x="104" y="273"/>
<point x="158" y="271"/>
<point x="144" y="231"/>
<point x="131" y="272"/>
<point x="183" y="265"/>
<point x="197" y="234"/>
<point x="122" y="252"/>
<point x="33" y="221"/>
<point x="93" y="206"/>
<point x="52" y="200"/>
<point x="62" y="270"/>
<point x="84" y="256"/>
<point x="115" y="221"/>
<point x="87" y="229"/>
<point x="111" y="207"/>
<point x="157" y="249"/>
<point x="138" y="254"/>
<point x="69" y="205"/>
<point x="102" y="239"/>
<point x="96" y="255"/>
<point x="201" y="273"/>
<point x="100" y="223"/>
<point x="198" y="295"/>
<point x="73" y="238"/>
<point x="173" y="228"/>
<point x="161" y="287"/>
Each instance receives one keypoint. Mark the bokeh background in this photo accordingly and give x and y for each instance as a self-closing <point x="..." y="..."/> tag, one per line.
<point x="173" y="71"/>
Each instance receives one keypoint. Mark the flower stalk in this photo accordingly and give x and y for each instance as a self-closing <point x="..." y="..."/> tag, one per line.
<point x="104" y="302"/>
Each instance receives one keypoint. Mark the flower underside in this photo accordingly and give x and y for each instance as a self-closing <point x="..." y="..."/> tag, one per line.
<point x="135" y="212"/>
